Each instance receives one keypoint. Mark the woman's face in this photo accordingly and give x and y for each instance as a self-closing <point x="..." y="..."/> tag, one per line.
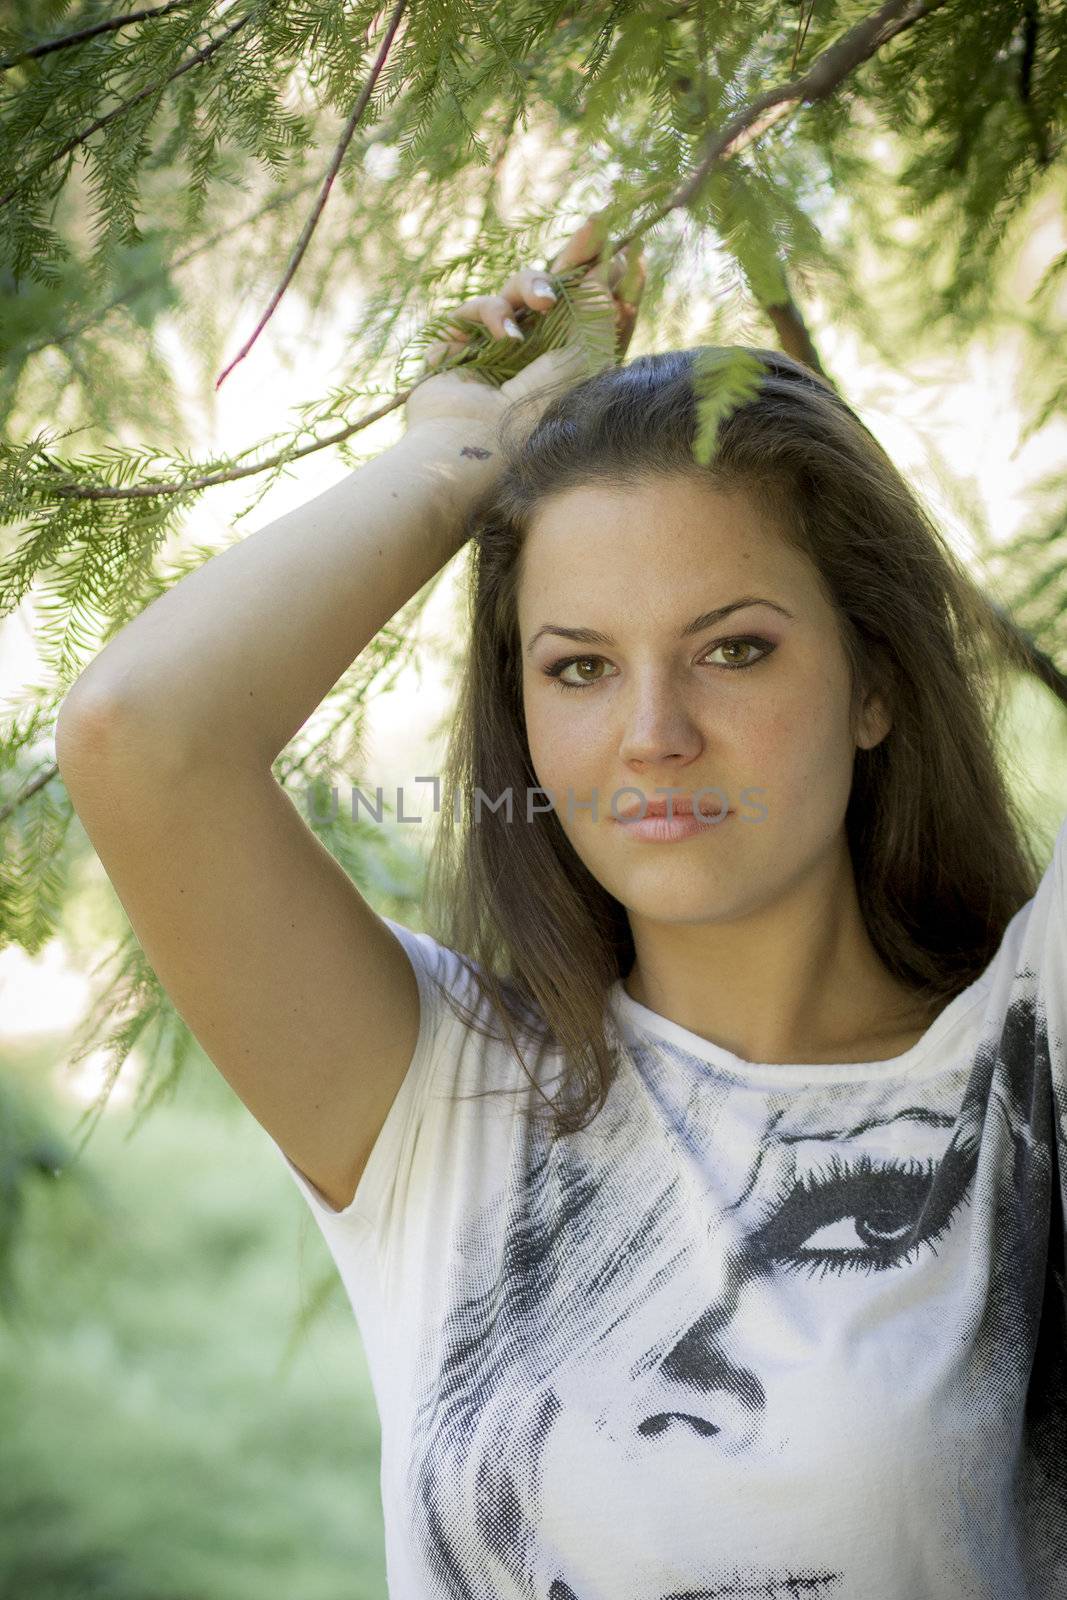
<point x="659" y="706"/>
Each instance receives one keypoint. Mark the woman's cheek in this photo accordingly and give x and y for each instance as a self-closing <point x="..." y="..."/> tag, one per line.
<point x="558" y="753"/>
<point x="544" y="756"/>
<point x="537" y="738"/>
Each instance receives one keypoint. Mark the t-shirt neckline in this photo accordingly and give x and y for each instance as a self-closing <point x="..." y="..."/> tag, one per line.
<point x="639" y="1020"/>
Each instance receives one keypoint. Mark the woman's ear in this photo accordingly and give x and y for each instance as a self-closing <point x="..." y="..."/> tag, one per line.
<point x="874" y="722"/>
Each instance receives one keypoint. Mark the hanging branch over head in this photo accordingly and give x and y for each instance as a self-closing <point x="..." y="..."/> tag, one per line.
<point x="317" y="210"/>
<point x="794" y="336"/>
<point x="107" y="26"/>
<point x="826" y="73"/>
<point x="196" y="60"/>
<point x="821" y="79"/>
<point x="208" y="480"/>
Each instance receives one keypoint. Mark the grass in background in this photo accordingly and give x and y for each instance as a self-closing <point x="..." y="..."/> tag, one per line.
<point x="157" y="1444"/>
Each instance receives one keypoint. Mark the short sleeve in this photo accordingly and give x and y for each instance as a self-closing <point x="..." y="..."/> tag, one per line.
<point x="361" y="1216"/>
<point x="1053" y="988"/>
<point x="444" y="1154"/>
<point x="1054" y="966"/>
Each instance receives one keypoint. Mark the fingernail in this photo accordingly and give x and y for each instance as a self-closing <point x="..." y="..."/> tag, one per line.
<point x="512" y="329"/>
<point x="542" y="286"/>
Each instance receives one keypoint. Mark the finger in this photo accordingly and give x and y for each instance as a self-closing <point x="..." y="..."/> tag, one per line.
<point x="521" y="291"/>
<point x="491" y="310"/>
<point x="625" y="323"/>
<point x="584" y="244"/>
<point x="531" y="287"/>
<point x="496" y="311"/>
<point x="608" y="273"/>
<point x="622" y="276"/>
<point x="440" y="349"/>
<point x="629" y="284"/>
<point x="435" y="353"/>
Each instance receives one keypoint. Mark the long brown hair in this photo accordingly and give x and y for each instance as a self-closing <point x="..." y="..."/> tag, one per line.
<point x="938" y="842"/>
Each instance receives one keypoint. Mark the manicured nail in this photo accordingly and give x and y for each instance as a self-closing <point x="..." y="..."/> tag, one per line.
<point x="512" y="329"/>
<point x="543" y="287"/>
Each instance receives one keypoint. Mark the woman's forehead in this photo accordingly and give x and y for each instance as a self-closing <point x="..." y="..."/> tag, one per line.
<point x="597" y="557"/>
<point x="664" y="501"/>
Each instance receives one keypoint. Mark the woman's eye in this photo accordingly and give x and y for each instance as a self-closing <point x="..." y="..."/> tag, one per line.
<point x="763" y="647"/>
<point x="562" y="666"/>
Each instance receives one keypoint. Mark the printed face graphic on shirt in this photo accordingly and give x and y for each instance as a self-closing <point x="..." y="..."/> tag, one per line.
<point x="735" y="1388"/>
<point x="665" y="1386"/>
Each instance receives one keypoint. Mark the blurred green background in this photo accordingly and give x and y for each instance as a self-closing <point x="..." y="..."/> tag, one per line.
<point x="171" y="1430"/>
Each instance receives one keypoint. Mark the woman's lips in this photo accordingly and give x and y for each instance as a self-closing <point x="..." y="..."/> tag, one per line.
<point x="684" y="825"/>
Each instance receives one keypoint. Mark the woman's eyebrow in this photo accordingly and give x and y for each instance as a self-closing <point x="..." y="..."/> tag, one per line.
<point x="707" y="619"/>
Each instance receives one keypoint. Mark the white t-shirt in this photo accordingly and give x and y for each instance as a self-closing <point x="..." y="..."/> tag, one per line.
<point x="760" y="1330"/>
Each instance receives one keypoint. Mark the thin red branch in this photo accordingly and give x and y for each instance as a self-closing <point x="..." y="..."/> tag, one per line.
<point x="317" y="210"/>
<point x="802" y="34"/>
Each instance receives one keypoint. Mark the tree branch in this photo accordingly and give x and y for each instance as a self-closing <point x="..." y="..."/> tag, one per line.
<point x="824" y="75"/>
<point x="142" y="94"/>
<point x="1033" y="658"/>
<point x="31" y="789"/>
<point x="802" y="33"/>
<point x="786" y="316"/>
<point x="317" y="210"/>
<point x="794" y="335"/>
<point x="77" y="491"/>
<point x="108" y="26"/>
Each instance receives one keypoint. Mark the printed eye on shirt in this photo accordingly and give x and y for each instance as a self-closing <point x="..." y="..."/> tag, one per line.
<point x="759" y="1330"/>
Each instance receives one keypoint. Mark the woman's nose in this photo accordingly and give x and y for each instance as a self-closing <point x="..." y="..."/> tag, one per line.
<point x="658" y="727"/>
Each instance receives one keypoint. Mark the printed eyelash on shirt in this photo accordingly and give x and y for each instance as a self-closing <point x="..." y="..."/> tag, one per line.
<point x="848" y="1185"/>
<point x="764" y="645"/>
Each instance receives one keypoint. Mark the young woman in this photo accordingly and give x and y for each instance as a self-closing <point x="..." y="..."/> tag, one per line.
<point x="698" y="1184"/>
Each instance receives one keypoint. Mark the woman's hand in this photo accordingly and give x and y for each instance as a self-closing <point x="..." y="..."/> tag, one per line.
<point x="461" y="396"/>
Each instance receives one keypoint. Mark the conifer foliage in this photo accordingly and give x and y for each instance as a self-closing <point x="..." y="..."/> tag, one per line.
<point x="190" y="164"/>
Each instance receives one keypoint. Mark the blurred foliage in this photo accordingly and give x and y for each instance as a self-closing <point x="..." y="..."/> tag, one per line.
<point x="171" y="1429"/>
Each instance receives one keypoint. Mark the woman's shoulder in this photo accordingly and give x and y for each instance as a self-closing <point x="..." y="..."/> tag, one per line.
<point x="475" y="991"/>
